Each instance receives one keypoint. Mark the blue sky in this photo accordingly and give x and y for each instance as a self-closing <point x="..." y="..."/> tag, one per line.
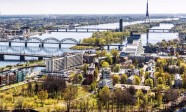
<point x="90" y="6"/>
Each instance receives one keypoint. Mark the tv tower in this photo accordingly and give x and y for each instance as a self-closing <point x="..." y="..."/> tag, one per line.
<point x="147" y="18"/>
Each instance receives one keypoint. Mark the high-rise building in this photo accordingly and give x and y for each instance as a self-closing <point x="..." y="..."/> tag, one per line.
<point x="121" y="25"/>
<point x="134" y="46"/>
<point x="57" y="64"/>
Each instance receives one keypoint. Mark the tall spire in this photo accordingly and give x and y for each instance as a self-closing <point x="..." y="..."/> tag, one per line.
<point x="147" y="19"/>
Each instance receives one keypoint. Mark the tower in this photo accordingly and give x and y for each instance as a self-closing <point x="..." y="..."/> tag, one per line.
<point x="121" y="25"/>
<point x="147" y="18"/>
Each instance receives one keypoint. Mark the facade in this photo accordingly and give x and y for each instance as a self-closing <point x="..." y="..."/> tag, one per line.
<point x="134" y="46"/>
<point x="12" y="77"/>
<point x="57" y="64"/>
<point x="182" y="36"/>
<point x="20" y="75"/>
<point x="129" y="72"/>
<point x="177" y="80"/>
<point x="89" y="76"/>
<point x="106" y="82"/>
<point x="8" y="78"/>
<point x="106" y="73"/>
<point x="130" y="80"/>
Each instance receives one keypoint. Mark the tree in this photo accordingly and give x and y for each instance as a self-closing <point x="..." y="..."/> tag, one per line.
<point x="36" y="88"/>
<point x="54" y="86"/>
<point x="159" y="99"/>
<point x="104" y="96"/>
<point x="123" y="78"/>
<point x="105" y="64"/>
<point x="149" y="82"/>
<point x="171" y="95"/>
<point x="160" y="80"/>
<point x="96" y="73"/>
<point x="115" y="79"/>
<point x="1" y="106"/>
<point x="18" y="104"/>
<point x="42" y="95"/>
<point x="109" y="59"/>
<point x="116" y="68"/>
<point x="29" y="88"/>
<point x="131" y="66"/>
<point x="85" y="67"/>
<point x="70" y="94"/>
<point x="132" y="90"/>
<point x="136" y="80"/>
<point x="115" y="53"/>
<point x="80" y="78"/>
<point x="184" y="81"/>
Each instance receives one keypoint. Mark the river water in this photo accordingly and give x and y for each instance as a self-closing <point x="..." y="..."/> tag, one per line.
<point x="53" y="49"/>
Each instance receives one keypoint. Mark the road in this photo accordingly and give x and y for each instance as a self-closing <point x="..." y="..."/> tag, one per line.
<point x="143" y="76"/>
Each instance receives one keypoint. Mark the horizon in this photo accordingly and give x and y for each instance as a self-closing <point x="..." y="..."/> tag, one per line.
<point x="22" y="7"/>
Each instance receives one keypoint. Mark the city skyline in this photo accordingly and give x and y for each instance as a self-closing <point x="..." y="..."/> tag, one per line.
<point x="91" y="7"/>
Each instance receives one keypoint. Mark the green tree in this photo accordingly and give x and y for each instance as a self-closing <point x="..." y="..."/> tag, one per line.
<point x="123" y="78"/>
<point x="116" y="68"/>
<point x="184" y="81"/>
<point x="115" y="79"/>
<point x="109" y="59"/>
<point x="85" y="67"/>
<point x="149" y="82"/>
<point x="137" y="80"/>
<point x="42" y="95"/>
<point x="105" y="64"/>
<point x="159" y="99"/>
<point x="80" y="78"/>
<point x="104" y="96"/>
<point x="70" y="94"/>
<point x="160" y="80"/>
<point x="18" y="104"/>
<point x="115" y="53"/>
<point x="96" y="73"/>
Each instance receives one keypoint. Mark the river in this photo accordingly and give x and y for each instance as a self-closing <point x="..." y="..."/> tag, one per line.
<point x="53" y="49"/>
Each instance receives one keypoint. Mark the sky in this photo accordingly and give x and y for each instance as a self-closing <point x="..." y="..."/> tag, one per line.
<point x="91" y="6"/>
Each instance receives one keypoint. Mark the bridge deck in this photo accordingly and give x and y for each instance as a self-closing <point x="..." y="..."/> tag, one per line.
<point x="23" y="54"/>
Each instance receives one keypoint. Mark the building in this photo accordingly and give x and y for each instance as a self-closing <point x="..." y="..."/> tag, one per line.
<point x="2" y="79"/>
<point x="136" y="87"/>
<point x="182" y="36"/>
<point x="106" y="73"/>
<point x="130" y="80"/>
<point x="89" y="76"/>
<point x="129" y="72"/>
<point x="134" y="46"/>
<point x="8" y="78"/>
<point x="89" y="57"/>
<point x="106" y="82"/>
<point x="177" y="80"/>
<point x="57" y="64"/>
<point x="20" y="75"/>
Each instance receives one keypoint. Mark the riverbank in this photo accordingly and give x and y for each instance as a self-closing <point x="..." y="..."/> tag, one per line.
<point x="22" y="66"/>
<point x="179" y="28"/>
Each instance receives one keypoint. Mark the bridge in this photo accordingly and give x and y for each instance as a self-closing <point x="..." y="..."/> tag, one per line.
<point x="83" y="30"/>
<point x="41" y="42"/>
<point x="23" y="55"/>
<point x="156" y="31"/>
<point x="105" y="45"/>
<point x="52" y="40"/>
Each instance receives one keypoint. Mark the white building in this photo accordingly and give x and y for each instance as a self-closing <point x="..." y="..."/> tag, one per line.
<point x="106" y="82"/>
<point x="177" y="80"/>
<point x="57" y="64"/>
<point x="134" y="46"/>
